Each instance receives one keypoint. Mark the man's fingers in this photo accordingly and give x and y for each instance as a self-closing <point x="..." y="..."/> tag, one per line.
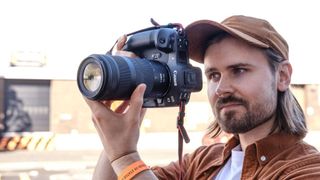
<point x="122" y="107"/>
<point x="126" y="53"/>
<point x="99" y="110"/>
<point x="142" y="113"/>
<point x="121" y="42"/>
<point x="107" y="103"/>
<point x="136" y="100"/>
<point x="93" y="105"/>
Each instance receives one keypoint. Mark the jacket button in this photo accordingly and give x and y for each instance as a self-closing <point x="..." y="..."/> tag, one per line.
<point x="263" y="158"/>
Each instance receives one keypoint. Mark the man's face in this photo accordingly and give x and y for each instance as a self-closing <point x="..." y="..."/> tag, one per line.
<point x="242" y="90"/>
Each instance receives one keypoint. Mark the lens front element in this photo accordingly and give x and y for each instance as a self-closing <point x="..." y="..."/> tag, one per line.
<point x="92" y="77"/>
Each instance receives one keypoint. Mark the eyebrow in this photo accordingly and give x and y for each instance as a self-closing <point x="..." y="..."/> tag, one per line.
<point x="233" y="66"/>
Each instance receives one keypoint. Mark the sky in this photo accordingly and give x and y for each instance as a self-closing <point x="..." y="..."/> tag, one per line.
<point x="67" y="31"/>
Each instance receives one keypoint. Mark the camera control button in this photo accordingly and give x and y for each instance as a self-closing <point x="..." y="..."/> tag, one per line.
<point x="156" y="56"/>
<point x="162" y="40"/>
<point x="159" y="100"/>
<point x="190" y="78"/>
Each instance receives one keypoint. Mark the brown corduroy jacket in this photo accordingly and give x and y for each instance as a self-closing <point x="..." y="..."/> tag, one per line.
<point x="278" y="156"/>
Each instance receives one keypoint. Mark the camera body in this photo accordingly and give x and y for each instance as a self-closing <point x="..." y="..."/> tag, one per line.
<point x="163" y="65"/>
<point x="170" y="47"/>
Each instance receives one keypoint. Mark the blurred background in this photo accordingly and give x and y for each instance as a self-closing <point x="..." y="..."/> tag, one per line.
<point x="45" y="125"/>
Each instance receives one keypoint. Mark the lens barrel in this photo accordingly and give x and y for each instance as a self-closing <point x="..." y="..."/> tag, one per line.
<point x="107" y="77"/>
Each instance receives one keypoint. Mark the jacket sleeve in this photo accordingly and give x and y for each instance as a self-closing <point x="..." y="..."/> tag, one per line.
<point x="172" y="170"/>
<point x="306" y="168"/>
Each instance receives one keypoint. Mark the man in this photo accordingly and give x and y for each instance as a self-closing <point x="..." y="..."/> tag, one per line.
<point x="248" y="73"/>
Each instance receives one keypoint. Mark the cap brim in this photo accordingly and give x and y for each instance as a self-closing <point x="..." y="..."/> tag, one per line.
<point x="200" y="32"/>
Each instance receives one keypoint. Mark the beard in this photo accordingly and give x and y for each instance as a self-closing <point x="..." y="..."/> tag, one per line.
<point x="255" y="114"/>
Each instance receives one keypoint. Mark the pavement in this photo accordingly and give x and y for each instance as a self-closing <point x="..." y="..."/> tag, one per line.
<point x="74" y="156"/>
<point x="47" y="165"/>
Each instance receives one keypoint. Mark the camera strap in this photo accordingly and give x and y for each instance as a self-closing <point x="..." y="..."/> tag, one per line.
<point x="182" y="135"/>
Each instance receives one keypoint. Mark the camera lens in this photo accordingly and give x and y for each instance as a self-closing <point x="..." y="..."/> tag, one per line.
<point x="92" y="77"/>
<point x="106" y="77"/>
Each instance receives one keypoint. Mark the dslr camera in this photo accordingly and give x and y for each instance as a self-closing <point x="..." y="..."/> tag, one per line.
<point x="163" y="65"/>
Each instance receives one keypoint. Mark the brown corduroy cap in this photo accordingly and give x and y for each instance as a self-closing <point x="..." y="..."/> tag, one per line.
<point x="257" y="32"/>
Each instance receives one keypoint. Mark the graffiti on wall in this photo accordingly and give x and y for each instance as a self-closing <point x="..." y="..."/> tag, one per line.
<point x="16" y="118"/>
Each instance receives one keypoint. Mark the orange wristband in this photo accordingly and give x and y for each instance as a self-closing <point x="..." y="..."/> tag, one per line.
<point x="132" y="170"/>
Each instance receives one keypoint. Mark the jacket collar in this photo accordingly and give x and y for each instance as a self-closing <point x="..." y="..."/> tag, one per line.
<point x="272" y="145"/>
<point x="267" y="147"/>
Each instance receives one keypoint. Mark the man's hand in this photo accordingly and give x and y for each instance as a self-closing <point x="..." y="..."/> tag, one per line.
<point x="119" y="129"/>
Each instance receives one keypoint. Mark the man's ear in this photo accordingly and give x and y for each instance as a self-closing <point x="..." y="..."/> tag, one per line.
<point x="284" y="73"/>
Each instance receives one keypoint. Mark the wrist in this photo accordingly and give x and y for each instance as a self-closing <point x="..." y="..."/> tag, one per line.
<point x="131" y="166"/>
<point x="124" y="161"/>
<point x="116" y="156"/>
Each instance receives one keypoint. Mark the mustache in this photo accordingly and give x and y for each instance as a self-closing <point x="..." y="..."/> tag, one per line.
<point x="230" y="99"/>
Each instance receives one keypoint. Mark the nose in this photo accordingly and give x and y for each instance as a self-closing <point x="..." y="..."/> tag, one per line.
<point x="224" y="88"/>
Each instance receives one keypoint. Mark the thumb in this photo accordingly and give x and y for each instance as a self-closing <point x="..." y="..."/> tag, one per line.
<point x="136" y="100"/>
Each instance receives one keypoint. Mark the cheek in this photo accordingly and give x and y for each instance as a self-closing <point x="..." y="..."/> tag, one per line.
<point x="263" y="93"/>
<point x="211" y="93"/>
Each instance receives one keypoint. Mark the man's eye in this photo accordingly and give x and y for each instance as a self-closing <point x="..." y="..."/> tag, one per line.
<point x="239" y="70"/>
<point x="215" y="76"/>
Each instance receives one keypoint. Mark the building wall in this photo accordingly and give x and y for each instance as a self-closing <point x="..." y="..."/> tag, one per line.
<point x="70" y="113"/>
<point x="312" y="106"/>
<point x="2" y="113"/>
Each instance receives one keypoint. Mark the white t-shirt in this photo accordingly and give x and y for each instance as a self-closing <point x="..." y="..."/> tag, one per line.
<point x="233" y="168"/>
